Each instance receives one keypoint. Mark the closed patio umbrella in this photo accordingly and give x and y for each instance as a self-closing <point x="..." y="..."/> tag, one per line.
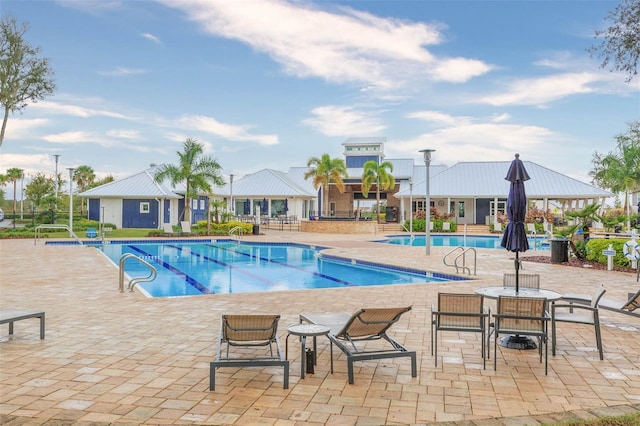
<point x="247" y="206"/>
<point x="286" y="205"/>
<point x="515" y="235"/>
<point x="265" y="206"/>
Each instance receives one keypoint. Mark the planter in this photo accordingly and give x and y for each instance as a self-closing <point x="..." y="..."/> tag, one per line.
<point x="559" y="250"/>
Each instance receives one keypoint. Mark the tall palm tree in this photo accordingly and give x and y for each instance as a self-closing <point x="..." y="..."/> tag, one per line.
<point x="324" y="171"/>
<point x="84" y="177"/>
<point x="620" y="171"/>
<point x="198" y="172"/>
<point x="372" y="172"/>
<point x="13" y="175"/>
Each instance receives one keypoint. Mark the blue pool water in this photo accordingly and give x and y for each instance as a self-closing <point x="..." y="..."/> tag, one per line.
<point x="187" y="269"/>
<point x="476" y="241"/>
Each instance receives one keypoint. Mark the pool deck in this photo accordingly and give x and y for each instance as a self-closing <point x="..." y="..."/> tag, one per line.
<point x="122" y="358"/>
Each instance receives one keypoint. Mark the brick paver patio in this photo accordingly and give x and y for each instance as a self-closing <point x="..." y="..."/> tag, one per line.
<point x="124" y="358"/>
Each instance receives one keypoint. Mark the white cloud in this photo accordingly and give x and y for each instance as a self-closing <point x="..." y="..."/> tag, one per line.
<point x="58" y="108"/>
<point x="332" y="120"/>
<point x="72" y="137"/>
<point x="341" y="45"/>
<point x="124" y="134"/>
<point x="437" y="117"/>
<point x="151" y="37"/>
<point x="226" y="131"/>
<point x="123" y="72"/>
<point x="21" y="128"/>
<point x="541" y="91"/>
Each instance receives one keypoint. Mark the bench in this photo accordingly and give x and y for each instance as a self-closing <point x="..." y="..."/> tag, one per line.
<point x="12" y="315"/>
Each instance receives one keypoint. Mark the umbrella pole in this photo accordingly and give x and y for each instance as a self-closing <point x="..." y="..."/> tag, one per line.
<point x="517" y="266"/>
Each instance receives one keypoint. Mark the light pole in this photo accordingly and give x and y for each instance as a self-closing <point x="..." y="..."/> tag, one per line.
<point x="57" y="179"/>
<point x="411" y="208"/>
<point x="71" y="170"/>
<point x="231" y="192"/>
<point x="427" y="222"/>
<point x="21" y="194"/>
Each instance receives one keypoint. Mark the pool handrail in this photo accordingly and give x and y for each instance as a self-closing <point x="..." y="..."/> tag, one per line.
<point x="238" y="229"/>
<point x="55" y="226"/>
<point x="462" y="255"/>
<point x="153" y="272"/>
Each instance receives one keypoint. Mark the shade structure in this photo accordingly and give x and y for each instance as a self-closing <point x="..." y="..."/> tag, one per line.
<point x="247" y="206"/>
<point x="265" y="206"/>
<point x="514" y="238"/>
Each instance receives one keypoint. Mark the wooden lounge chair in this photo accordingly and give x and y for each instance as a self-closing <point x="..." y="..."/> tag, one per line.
<point x="578" y="314"/>
<point x="248" y="331"/>
<point x="459" y="312"/>
<point x="521" y="316"/>
<point x="350" y="333"/>
<point x="629" y="307"/>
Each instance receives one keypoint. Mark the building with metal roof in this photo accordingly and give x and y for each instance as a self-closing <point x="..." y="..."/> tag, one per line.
<point x="470" y="192"/>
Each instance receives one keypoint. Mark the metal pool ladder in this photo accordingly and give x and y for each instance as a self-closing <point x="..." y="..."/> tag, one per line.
<point x="462" y="256"/>
<point x="153" y="272"/>
<point x="237" y="230"/>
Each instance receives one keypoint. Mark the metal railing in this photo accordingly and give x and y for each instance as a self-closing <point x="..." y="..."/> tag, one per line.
<point x="153" y="272"/>
<point x="238" y="230"/>
<point x="462" y="256"/>
<point x="54" y="226"/>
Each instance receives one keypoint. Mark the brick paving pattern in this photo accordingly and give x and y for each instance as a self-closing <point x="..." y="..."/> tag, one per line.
<point x="112" y="358"/>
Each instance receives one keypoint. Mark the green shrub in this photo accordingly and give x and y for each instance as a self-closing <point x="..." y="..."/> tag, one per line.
<point x="595" y="246"/>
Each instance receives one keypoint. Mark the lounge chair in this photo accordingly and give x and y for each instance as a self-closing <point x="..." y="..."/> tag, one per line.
<point x="461" y="313"/>
<point x="446" y="226"/>
<point x="91" y="233"/>
<point x="497" y="227"/>
<point x="531" y="228"/>
<point x="167" y="228"/>
<point x="12" y="315"/>
<point x="521" y="316"/>
<point x="186" y="228"/>
<point x="629" y="307"/>
<point x="248" y="331"/>
<point x="578" y="314"/>
<point x="350" y="333"/>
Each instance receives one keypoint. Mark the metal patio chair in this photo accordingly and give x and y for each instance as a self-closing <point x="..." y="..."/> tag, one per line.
<point x="462" y="313"/>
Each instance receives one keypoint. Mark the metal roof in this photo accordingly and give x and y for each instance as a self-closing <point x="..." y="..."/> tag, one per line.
<point x="140" y="185"/>
<point x="487" y="180"/>
<point x="269" y="183"/>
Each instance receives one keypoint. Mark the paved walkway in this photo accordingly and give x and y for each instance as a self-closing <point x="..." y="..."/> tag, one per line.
<point x="123" y="358"/>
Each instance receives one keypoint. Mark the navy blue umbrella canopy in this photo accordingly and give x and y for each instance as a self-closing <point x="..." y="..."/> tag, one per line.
<point x="515" y="235"/>
<point x="286" y="205"/>
<point x="265" y="206"/>
<point x="247" y="206"/>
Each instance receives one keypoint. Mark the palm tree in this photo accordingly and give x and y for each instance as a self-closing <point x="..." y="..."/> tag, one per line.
<point x="324" y="171"/>
<point x="198" y="173"/>
<point x="13" y="175"/>
<point x="373" y="172"/>
<point x="84" y="177"/>
<point x="620" y="171"/>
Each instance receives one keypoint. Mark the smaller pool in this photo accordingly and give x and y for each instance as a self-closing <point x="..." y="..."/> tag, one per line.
<point x="476" y="241"/>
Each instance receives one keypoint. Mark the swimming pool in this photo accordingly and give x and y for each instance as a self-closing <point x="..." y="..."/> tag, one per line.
<point x="476" y="241"/>
<point x="189" y="269"/>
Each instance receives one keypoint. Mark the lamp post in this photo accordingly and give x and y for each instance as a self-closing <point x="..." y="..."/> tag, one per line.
<point x="427" y="222"/>
<point x="231" y="192"/>
<point x="57" y="180"/>
<point x="71" y="170"/>
<point x="411" y="208"/>
<point x="21" y="194"/>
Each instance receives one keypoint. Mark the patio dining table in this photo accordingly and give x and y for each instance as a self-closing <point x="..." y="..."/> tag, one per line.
<point x="515" y="341"/>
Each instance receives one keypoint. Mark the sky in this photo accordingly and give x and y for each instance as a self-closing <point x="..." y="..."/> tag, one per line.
<point x="272" y="83"/>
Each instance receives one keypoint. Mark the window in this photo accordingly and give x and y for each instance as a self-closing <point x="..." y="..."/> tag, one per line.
<point x="145" y="207"/>
<point x="460" y="208"/>
<point x="202" y="204"/>
<point x="194" y="204"/>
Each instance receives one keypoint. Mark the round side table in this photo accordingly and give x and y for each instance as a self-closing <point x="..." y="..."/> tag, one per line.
<point x="304" y="330"/>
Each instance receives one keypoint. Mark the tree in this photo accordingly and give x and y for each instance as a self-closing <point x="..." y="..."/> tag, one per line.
<point x="40" y="188"/>
<point x="24" y="77"/>
<point x="84" y="177"/>
<point x="619" y="170"/>
<point x="324" y="171"/>
<point x="13" y="175"/>
<point x="373" y="172"/>
<point x="196" y="171"/>
<point x="620" y="46"/>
